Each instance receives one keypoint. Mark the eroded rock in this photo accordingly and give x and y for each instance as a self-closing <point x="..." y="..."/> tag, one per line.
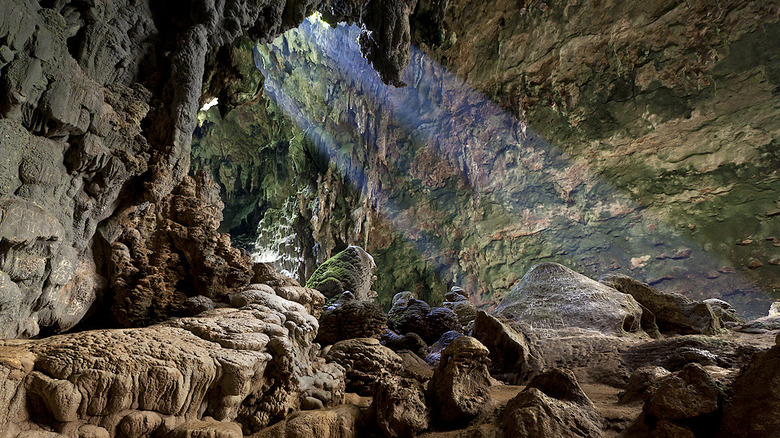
<point x="350" y="270"/>
<point x="552" y="296"/>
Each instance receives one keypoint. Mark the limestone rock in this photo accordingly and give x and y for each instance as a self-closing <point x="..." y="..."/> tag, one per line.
<point x="311" y="299"/>
<point x="747" y="412"/>
<point x="351" y="319"/>
<point x="207" y="428"/>
<point x="552" y="296"/>
<point x="366" y="363"/>
<point x="350" y="270"/>
<point x="410" y="341"/>
<point x="537" y="410"/>
<point x="410" y="315"/>
<point x="436" y="350"/>
<point x="400" y="407"/>
<point x="266" y="274"/>
<point x="674" y="313"/>
<point x="674" y="353"/>
<point x="461" y="306"/>
<point x="252" y="366"/>
<point x="460" y="388"/>
<point x="687" y="394"/>
<point x="198" y="304"/>
<point x="163" y="245"/>
<point x="510" y="354"/>
<point x="642" y="384"/>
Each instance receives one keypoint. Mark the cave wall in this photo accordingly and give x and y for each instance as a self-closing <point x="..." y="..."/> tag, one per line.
<point x="643" y="140"/>
<point x="98" y="103"/>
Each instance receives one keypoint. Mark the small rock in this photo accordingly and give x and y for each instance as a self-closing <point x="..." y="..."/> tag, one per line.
<point x="774" y="309"/>
<point x="755" y="264"/>
<point x="198" y="304"/>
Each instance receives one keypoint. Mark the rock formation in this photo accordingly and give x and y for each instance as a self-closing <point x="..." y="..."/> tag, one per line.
<point x="98" y="103"/>
<point x="552" y="296"/>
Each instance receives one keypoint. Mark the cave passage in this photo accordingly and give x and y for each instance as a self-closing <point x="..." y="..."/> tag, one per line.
<point x="444" y="187"/>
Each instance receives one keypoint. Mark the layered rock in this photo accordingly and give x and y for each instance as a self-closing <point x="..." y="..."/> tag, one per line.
<point x="249" y="366"/>
<point x="552" y="296"/>
<point x="673" y="313"/>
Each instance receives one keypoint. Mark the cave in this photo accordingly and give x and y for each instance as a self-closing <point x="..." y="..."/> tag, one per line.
<point x="389" y="218"/>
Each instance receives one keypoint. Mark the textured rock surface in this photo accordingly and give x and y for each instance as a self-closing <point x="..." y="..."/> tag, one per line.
<point x="511" y="358"/>
<point x="251" y="366"/>
<point x="170" y="249"/>
<point x="746" y="413"/>
<point x="552" y="296"/>
<point x="687" y="394"/>
<point x="352" y="319"/>
<point x="366" y="363"/>
<point x="410" y="315"/>
<point x="400" y="407"/>
<point x="644" y="145"/>
<point x="98" y="103"/>
<point x="674" y="313"/>
<point x="350" y="270"/>
<point x="459" y="389"/>
<point x="553" y="404"/>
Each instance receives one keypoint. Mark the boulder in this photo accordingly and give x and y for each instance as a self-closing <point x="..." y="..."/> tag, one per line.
<point x="266" y="274"/>
<point x="366" y="363"/>
<point x="751" y="411"/>
<point x="552" y="296"/>
<point x="674" y="313"/>
<point x="464" y="310"/>
<point x="554" y="405"/>
<point x="684" y="395"/>
<point x="350" y="270"/>
<point x="410" y="342"/>
<point x="351" y="319"/>
<point x="642" y="384"/>
<point x="198" y="304"/>
<point x="410" y="315"/>
<point x="437" y="349"/>
<point x="511" y="359"/>
<point x="460" y="388"/>
<point x="400" y="407"/>
<point x="724" y="311"/>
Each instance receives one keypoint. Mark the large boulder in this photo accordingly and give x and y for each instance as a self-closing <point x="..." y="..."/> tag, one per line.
<point x="511" y="358"/>
<point x="460" y="388"/>
<point x="554" y="405"/>
<point x="459" y="303"/>
<point x="674" y="313"/>
<point x="751" y="411"/>
<point x="400" y="407"/>
<point x="366" y="363"/>
<point x="350" y="270"/>
<point x="552" y="296"/>
<point x="351" y="319"/>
